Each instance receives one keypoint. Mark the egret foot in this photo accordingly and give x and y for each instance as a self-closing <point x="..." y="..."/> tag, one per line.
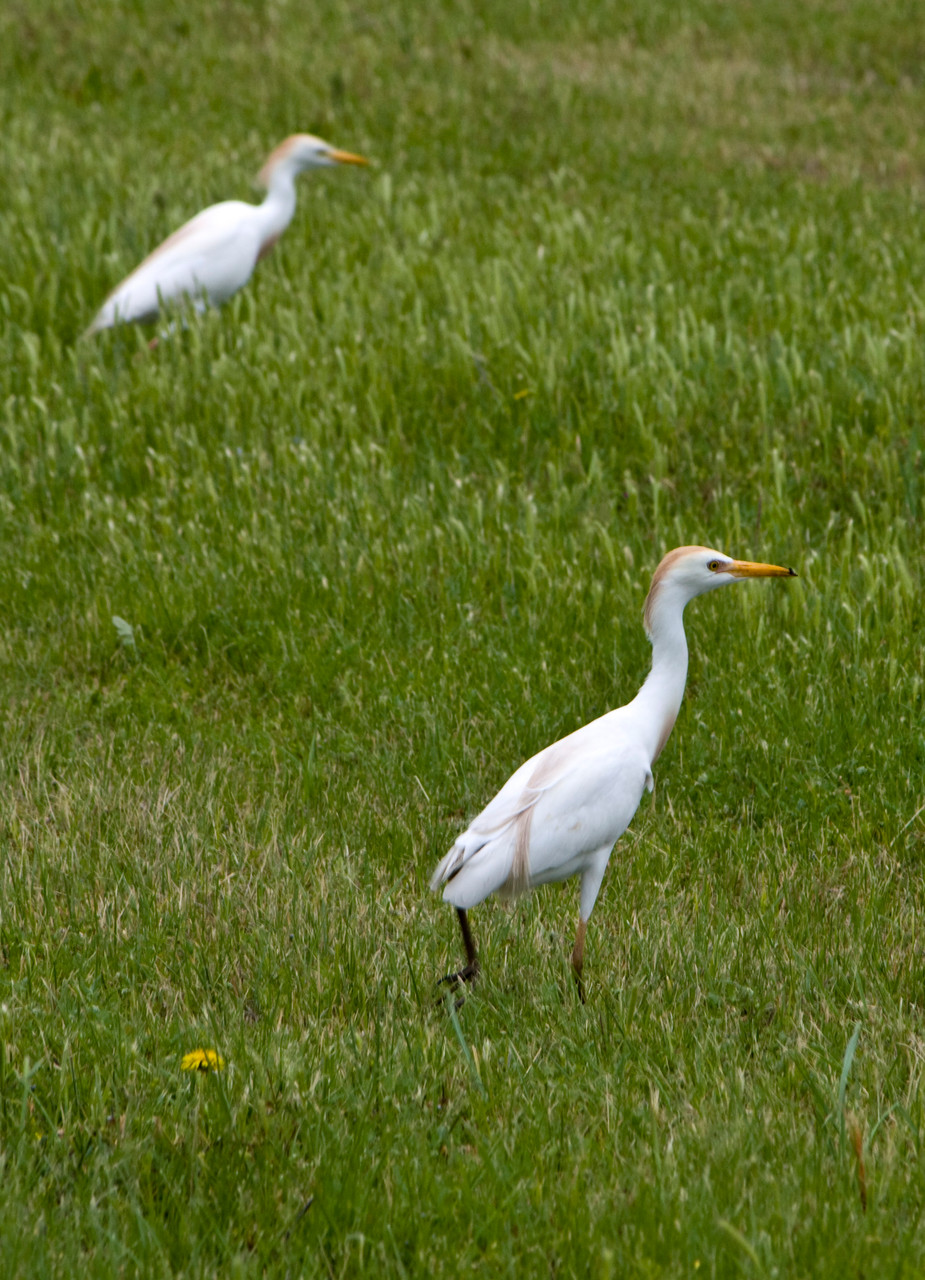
<point x="471" y="971"/>
<point x="578" y="958"/>
<point x="461" y="978"/>
<point x="456" y="981"/>
<point x="580" y="985"/>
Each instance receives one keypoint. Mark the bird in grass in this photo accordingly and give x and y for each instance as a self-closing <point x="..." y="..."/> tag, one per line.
<point x="563" y="810"/>
<point x="210" y="257"/>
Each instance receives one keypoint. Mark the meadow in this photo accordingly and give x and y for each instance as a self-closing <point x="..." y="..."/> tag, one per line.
<point x="287" y="598"/>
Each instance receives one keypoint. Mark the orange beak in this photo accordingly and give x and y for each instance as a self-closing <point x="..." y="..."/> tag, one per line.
<point x="346" y="157"/>
<point x="748" y="569"/>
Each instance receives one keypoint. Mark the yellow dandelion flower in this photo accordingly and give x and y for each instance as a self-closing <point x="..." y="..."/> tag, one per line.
<point x="202" y="1060"/>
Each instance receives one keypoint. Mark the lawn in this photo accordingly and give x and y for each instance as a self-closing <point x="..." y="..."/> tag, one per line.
<point x="287" y="597"/>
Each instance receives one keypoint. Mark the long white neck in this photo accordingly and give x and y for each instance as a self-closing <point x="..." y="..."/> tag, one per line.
<point x="278" y="207"/>
<point x="656" y="705"/>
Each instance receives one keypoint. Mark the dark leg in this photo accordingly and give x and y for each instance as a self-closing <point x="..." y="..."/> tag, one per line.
<point x="578" y="957"/>
<point x="471" y="971"/>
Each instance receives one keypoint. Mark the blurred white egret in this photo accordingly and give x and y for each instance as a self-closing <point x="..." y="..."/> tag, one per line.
<point x="563" y="810"/>
<point x="210" y="257"/>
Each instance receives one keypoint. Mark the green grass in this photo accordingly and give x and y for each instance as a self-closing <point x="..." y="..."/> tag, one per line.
<point x="622" y="276"/>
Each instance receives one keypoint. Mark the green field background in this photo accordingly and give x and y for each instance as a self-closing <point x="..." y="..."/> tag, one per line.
<point x="620" y="276"/>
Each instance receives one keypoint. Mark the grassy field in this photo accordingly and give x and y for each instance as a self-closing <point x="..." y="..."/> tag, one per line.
<point x="621" y="276"/>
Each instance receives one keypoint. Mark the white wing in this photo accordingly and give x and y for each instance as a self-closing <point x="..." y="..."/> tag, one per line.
<point x="552" y="816"/>
<point x="210" y="258"/>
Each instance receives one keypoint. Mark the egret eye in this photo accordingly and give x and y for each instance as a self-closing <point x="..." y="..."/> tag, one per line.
<point x="713" y="565"/>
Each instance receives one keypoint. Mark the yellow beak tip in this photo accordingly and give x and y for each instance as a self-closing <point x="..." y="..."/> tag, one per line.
<point x="748" y="569"/>
<point x="347" y="157"/>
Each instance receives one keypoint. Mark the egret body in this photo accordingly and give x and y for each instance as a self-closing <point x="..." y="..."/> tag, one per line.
<point x="561" y="812"/>
<point x="210" y="257"/>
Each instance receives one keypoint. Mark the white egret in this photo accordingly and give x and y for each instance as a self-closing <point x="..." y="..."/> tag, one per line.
<point x="210" y="257"/>
<point x="563" y="810"/>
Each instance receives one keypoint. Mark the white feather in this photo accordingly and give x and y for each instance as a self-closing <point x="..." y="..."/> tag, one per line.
<point x="212" y="256"/>
<point x="562" y="811"/>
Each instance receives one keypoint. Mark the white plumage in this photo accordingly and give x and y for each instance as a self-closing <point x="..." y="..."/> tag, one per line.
<point x="563" y="810"/>
<point x="210" y="257"/>
<point x="558" y="815"/>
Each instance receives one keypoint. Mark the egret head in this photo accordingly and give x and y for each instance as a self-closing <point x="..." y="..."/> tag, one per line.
<point x="687" y="572"/>
<point x="304" y="151"/>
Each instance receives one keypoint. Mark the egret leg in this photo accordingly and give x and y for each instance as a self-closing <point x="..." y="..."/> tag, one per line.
<point x="471" y="970"/>
<point x="578" y="957"/>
